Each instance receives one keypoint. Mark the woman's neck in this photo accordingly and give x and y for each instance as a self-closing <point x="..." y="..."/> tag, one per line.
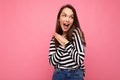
<point x="64" y="34"/>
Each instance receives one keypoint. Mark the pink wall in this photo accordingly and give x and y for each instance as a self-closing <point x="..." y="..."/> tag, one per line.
<point x="26" y="27"/>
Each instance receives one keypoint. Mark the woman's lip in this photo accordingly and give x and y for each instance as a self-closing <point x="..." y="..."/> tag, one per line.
<point x="66" y="24"/>
<point x="66" y="27"/>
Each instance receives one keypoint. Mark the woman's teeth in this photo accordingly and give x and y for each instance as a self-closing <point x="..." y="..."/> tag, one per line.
<point x="66" y="24"/>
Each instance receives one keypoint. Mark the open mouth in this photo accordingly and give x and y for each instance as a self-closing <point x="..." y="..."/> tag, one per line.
<point x="67" y="25"/>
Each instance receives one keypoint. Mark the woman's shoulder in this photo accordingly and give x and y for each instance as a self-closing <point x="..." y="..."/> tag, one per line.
<point x="52" y="39"/>
<point x="76" y="31"/>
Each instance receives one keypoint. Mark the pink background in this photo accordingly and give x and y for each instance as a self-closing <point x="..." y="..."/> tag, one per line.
<point x="26" y="27"/>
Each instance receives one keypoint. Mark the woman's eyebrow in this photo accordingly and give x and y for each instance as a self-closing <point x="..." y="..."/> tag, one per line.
<point x="66" y="14"/>
<point x="63" y="13"/>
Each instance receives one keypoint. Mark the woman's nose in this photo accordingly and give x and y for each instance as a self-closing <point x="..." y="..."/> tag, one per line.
<point x="67" y="19"/>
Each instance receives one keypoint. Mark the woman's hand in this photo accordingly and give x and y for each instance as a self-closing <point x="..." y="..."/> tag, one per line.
<point x="62" y="40"/>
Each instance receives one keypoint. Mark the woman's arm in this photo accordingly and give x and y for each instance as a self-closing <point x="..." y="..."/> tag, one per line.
<point x="76" y="50"/>
<point x="54" y="55"/>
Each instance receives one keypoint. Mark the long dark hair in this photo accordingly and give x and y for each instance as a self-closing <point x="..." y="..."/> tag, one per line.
<point x="75" y="25"/>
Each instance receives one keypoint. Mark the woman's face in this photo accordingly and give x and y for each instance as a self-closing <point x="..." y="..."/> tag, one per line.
<point x="66" y="19"/>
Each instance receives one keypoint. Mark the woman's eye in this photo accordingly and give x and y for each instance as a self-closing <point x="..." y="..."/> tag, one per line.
<point x="71" y="17"/>
<point x="64" y="15"/>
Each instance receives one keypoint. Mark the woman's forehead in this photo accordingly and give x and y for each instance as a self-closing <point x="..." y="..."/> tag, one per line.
<point x="67" y="11"/>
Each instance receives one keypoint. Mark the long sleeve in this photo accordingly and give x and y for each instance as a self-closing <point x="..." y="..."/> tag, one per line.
<point x="54" y="55"/>
<point x="72" y="56"/>
<point x="76" y="49"/>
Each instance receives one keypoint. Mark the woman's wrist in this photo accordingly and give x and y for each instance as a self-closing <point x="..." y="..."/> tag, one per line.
<point x="66" y="42"/>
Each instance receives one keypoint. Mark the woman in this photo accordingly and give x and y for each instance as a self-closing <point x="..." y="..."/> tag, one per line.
<point x="66" y="52"/>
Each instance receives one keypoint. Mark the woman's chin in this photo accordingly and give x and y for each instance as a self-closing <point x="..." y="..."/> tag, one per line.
<point x="65" y="30"/>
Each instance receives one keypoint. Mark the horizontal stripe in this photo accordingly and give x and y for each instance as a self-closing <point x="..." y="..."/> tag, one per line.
<point x="70" y="56"/>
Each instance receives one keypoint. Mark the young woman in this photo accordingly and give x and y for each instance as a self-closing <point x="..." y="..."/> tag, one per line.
<point x="66" y="52"/>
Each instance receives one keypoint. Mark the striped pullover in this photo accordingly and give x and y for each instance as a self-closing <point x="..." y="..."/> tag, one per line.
<point x="70" y="57"/>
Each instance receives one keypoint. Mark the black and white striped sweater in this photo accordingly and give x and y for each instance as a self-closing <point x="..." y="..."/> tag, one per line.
<point x="70" y="57"/>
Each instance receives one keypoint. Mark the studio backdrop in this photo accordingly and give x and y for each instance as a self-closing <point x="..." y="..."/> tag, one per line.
<point x="26" y="27"/>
